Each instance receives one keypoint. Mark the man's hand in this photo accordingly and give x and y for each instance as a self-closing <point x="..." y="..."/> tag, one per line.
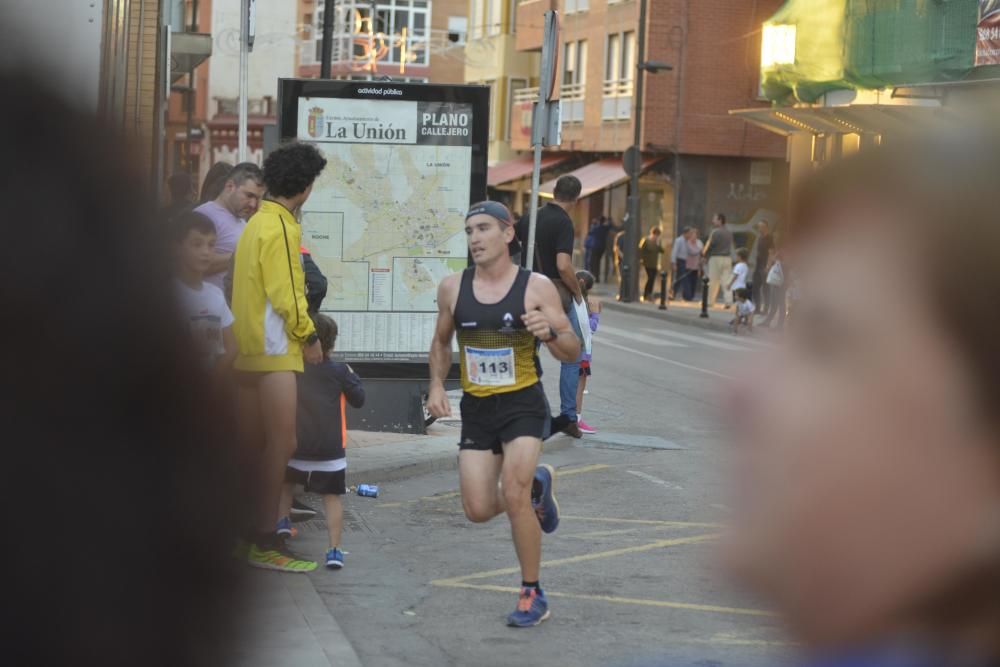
<point x="313" y="353"/>
<point x="538" y="325"/>
<point x="437" y="401"/>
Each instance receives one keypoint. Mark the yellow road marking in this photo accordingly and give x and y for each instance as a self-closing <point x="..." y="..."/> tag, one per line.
<point x="602" y="533"/>
<point x="390" y="504"/>
<point x="643" y="522"/>
<point x="614" y="599"/>
<point x="577" y="471"/>
<point x="659" y="544"/>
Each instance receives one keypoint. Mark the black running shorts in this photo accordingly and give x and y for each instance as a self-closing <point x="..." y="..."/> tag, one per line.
<point x="489" y="422"/>
<point x="325" y="483"/>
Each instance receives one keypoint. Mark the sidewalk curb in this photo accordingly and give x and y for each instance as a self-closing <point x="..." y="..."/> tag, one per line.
<point x="321" y="622"/>
<point x="666" y="315"/>
<point x="438" y="462"/>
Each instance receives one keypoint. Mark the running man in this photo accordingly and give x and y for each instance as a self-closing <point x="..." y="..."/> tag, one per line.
<point x="499" y="310"/>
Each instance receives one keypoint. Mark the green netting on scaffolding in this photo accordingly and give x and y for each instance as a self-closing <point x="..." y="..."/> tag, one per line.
<point x="812" y="47"/>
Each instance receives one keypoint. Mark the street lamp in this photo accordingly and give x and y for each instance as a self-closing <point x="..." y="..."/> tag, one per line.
<point x="630" y="273"/>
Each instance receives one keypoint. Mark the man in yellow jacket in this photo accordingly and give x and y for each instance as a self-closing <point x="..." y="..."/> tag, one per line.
<point x="274" y="333"/>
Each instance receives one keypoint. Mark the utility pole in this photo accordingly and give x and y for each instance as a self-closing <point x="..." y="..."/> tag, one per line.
<point x="633" y="228"/>
<point x="324" y="66"/>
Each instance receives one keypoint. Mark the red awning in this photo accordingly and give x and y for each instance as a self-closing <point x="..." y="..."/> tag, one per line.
<point x="519" y="167"/>
<point x="599" y="175"/>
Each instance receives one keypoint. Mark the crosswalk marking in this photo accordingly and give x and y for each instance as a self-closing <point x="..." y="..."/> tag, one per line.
<point x="637" y="337"/>
<point x="700" y="339"/>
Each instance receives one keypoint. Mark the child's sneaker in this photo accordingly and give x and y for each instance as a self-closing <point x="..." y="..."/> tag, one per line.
<point x="285" y="529"/>
<point x="334" y="559"/>
<point x="585" y="427"/>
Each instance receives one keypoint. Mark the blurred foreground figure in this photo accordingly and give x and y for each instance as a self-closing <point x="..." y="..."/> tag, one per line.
<point x="868" y="495"/>
<point x="116" y="471"/>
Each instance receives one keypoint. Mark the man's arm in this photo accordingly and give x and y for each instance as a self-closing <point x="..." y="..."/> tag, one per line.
<point x="564" y="263"/>
<point x="440" y="356"/>
<point x="545" y="316"/>
<point x="704" y="250"/>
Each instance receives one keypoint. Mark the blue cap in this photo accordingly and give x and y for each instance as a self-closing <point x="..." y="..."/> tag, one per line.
<point x="494" y="209"/>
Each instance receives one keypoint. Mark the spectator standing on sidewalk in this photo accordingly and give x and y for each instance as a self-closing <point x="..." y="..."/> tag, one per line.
<point x="600" y="234"/>
<point x="761" y="290"/>
<point x="274" y="333"/>
<point x="213" y="182"/>
<point x="180" y="188"/>
<point x="692" y="264"/>
<point x="777" y="281"/>
<point x="719" y="251"/>
<point x="650" y="250"/>
<point x="238" y="200"/>
<point x="678" y="257"/>
<point x="319" y="463"/>
<point x="554" y="258"/>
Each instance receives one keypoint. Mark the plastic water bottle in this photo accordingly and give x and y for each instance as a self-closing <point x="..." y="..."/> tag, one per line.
<point x="368" y="490"/>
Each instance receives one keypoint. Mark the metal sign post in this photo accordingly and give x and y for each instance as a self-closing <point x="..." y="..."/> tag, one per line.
<point x="545" y="120"/>
<point x="248" y="26"/>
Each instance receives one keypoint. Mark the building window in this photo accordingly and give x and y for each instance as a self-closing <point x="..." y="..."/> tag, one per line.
<point x="574" y="6"/>
<point x="485" y="18"/>
<point x="457" y="27"/>
<point x="619" y="76"/>
<point x="513" y="87"/>
<point x="574" y="80"/>
<point x="398" y="35"/>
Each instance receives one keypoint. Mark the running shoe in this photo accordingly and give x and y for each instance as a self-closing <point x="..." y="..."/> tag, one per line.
<point x="300" y="510"/>
<point x="334" y="559"/>
<point x="532" y="609"/>
<point x="285" y="529"/>
<point x="544" y="498"/>
<point x="274" y="557"/>
<point x="585" y="427"/>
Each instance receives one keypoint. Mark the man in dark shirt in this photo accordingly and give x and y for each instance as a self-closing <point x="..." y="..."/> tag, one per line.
<point x="761" y="290"/>
<point x="599" y="234"/>
<point x="554" y="258"/>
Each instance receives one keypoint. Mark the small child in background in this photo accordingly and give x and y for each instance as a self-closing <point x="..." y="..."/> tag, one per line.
<point x="319" y="463"/>
<point x="586" y="280"/>
<point x="741" y="272"/>
<point x="744" y="311"/>
<point x="203" y="305"/>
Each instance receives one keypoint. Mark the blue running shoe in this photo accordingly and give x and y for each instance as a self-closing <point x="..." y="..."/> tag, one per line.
<point x="532" y="609"/>
<point x="543" y="499"/>
<point x="284" y="528"/>
<point x="334" y="559"/>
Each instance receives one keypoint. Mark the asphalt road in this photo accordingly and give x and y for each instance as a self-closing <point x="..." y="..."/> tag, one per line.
<point x="630" y="574"/>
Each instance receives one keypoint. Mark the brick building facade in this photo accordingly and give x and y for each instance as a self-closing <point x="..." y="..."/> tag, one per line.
<point x="703" y="159"/>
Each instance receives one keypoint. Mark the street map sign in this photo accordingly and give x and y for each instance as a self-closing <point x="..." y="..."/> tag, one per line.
<point x="386" y="218"/>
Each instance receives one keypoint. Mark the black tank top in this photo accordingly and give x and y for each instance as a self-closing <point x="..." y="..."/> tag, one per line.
<point x="496" y="352"/>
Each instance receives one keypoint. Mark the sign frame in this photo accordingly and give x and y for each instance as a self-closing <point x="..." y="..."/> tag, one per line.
<point x="290" y="91"/>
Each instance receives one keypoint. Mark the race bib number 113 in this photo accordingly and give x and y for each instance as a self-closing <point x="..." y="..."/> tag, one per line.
<point x="493" y="368"/>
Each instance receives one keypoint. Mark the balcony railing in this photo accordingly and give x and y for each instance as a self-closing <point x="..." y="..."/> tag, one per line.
<point x="526" y="95"/>
<point x="617" y="100"/>
<point x="572" y="95"/>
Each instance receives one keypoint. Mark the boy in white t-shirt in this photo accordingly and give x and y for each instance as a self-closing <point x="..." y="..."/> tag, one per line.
<point x="202" y="304"/>
<point x="741" y="272"/>
<point x="744" y="311"/>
